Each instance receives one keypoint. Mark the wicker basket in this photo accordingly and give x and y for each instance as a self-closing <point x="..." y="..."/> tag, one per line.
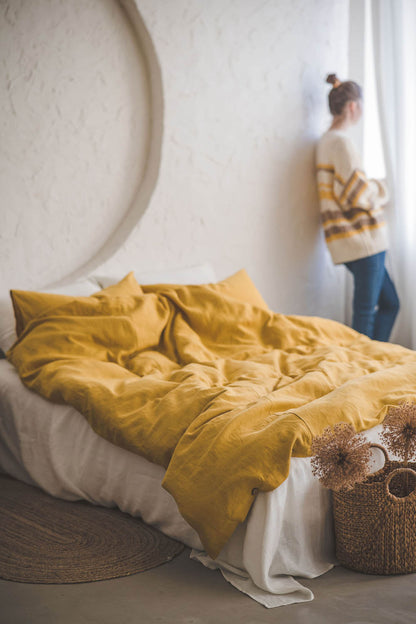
<point x="375" y="522"/>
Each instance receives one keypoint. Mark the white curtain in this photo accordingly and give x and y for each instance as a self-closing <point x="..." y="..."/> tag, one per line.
<point x="394" y="39"/>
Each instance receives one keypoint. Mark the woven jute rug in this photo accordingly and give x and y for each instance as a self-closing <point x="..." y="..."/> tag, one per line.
<point x="47" y="540"/>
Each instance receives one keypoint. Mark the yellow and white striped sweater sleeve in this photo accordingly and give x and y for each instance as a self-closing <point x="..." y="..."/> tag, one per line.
<point x="350" y="202"/>
<point x="351" y="187"/>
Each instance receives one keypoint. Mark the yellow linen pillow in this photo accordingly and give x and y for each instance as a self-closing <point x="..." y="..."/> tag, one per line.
<point x="127" y="286"/>
<point x="241" y="287"/>
<point x="28" y="304"/>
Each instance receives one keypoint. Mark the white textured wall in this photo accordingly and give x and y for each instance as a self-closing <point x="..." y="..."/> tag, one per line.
<point x="74" y="129"/>
<point x="244" y="102"/>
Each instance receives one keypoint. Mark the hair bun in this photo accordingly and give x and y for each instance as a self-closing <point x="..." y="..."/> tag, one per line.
<point x="332" y="79"/>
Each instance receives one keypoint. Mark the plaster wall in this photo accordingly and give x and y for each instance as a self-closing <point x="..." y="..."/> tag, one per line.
<point x="74" y="142"/>
<point x="244" y="101"/>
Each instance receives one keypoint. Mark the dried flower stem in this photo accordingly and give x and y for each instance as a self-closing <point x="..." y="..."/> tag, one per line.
<point x="399" y="431"/>
<point x="341" y="457"/>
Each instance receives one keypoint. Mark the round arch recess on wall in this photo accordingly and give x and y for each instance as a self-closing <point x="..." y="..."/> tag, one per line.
<point x="148" y="183"/>
<point x="151" y="172"/>
<point x="82" y="122"/>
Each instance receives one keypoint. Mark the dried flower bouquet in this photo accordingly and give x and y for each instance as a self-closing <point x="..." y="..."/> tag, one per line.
<point x="341" y="458"/>
<point x="374" y="513"/>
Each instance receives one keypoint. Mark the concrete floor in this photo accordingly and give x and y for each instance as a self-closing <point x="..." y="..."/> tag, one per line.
<point x="184" y="592"/>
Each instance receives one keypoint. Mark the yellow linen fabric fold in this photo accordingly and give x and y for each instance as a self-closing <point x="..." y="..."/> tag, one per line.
<point x="219" y="391"/>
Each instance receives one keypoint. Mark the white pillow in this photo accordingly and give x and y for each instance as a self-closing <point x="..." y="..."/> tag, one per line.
<point x="200" y="274"/>
<point x="82" y="288"/>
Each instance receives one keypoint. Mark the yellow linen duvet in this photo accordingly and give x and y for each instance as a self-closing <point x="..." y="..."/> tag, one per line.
<point x="219" y="391"/>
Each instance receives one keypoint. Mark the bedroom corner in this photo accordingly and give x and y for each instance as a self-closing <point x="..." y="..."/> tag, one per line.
<point x="160" y="230"/>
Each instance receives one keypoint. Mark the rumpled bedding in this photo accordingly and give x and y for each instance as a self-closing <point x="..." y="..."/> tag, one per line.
<point x="220" y="392"/>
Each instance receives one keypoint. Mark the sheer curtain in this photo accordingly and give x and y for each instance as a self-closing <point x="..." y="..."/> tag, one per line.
<point x="394" y="34"/>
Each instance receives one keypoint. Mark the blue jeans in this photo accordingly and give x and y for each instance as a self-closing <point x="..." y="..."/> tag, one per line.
<point x="375" y="304"/>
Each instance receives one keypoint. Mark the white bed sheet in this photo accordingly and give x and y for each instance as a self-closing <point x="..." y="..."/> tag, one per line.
<point x="288" y="532"/>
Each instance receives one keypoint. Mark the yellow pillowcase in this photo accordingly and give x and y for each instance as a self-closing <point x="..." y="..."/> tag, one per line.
<point x="127" y="286"/>
<point x="241" y="287"/>
<point x="28" y="304"/>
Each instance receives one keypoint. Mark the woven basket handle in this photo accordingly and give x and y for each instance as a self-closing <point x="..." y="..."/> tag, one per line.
<point x="386" y="457"/>
<point x="389" y="478"/>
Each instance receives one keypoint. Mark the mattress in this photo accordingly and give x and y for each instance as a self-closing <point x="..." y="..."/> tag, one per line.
<point x="288" y="532"/>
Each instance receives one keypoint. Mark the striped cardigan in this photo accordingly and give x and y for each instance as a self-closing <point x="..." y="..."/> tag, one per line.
<point x="351" y="204"/>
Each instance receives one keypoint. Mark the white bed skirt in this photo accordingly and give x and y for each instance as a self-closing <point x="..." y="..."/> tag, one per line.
<point x="288" y="532"/>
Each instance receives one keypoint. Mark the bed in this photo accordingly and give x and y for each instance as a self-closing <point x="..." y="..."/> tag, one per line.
<point x="287" y="533"/>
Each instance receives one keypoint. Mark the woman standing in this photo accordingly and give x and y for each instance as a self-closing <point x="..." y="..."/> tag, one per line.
<point x="352" y="215"/>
